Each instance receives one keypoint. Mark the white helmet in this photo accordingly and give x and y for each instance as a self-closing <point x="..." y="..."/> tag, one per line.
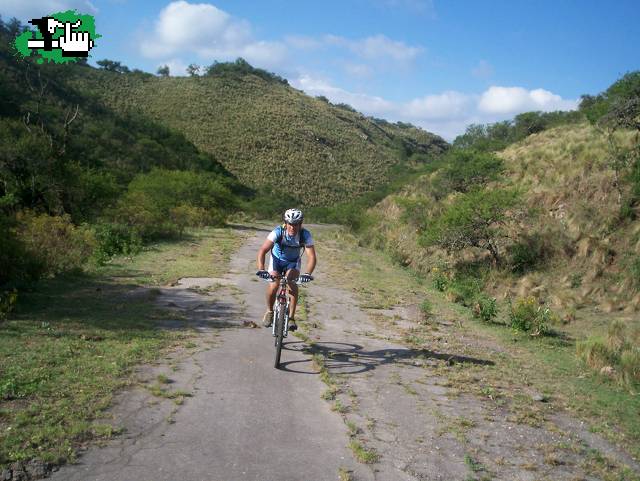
<point x="293" y="216"/>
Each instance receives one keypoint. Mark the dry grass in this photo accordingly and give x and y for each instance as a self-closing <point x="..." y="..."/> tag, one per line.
<point x="585" y="256"/>
<point x="616" y="356"/>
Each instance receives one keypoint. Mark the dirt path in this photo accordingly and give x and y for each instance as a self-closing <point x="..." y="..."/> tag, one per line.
<point x="244" y="420"/>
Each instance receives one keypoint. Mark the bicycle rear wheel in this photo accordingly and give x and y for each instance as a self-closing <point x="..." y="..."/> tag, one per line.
<point x="279" y="320"/>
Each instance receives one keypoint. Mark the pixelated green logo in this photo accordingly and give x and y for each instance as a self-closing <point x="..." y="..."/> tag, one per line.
<point x="60" y="37"/>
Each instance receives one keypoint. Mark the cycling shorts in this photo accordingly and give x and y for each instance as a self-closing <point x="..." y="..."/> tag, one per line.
<point x="279" y="265"/>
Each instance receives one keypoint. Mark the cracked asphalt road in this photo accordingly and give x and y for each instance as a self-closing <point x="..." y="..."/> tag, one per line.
<point x="245" y="420"/>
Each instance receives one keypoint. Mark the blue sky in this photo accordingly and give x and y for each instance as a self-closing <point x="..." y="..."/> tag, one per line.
<point x="438" y="64"/>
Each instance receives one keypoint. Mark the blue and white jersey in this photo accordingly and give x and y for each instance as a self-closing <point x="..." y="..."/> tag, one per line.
<point x="289" y="248"/>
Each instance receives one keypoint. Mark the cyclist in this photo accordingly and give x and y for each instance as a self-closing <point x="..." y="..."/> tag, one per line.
<point x="286" y="242"/>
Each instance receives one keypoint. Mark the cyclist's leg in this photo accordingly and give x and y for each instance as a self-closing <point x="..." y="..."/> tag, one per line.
<point x="292" y="274"/>
<point x="272" y="287"/>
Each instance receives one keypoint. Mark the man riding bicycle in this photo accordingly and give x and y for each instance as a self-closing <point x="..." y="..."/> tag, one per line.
<point x="286" y="242"/>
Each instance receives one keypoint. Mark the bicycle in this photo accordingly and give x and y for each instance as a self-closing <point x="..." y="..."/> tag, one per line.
<point x="280" y="322"/>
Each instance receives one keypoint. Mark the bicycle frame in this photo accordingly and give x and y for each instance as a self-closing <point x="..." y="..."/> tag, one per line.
<point x="282" y="302"/>
<point x="280" y="321"/>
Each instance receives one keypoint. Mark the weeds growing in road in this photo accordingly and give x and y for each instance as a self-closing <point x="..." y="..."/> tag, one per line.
<point x="73" y="341"/>
<point x="344" y="474"/>
<point x="363" y="454"/>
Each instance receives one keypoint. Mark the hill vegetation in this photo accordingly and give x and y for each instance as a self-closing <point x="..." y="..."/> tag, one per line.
<point x="535" y="228"/>
<point x="79" y="180"/>
<point x="272" y="137"/>
<point x="96" y="162"/>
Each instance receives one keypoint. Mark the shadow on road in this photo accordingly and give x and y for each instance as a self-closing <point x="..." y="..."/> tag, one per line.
<point x="346" y="358"/>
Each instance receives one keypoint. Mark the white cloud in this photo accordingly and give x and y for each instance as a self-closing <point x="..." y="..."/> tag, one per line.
<point x="26" y="10"/>
<point x="184" y="28"/>
<point x="371" y="105"/>
<point x="448" y="113"/>
<point x="446" y="106"/>
<point x="377" y="47"/>
<point x="512" y="100"/>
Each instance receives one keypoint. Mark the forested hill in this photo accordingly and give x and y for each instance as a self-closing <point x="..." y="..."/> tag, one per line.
<point x="267" y="133"/>
<point x="78" y="179"/>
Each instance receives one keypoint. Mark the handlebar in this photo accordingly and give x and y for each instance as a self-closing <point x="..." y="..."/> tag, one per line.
<point x="275" y="279"/>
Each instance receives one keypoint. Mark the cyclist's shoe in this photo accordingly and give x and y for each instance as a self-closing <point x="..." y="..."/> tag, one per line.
<point x="292" y="325"/>
<point x="267" y="319"/>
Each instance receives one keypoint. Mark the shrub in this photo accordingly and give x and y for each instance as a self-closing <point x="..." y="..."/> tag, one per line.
<point x="528" y="253"/>
<point x="113" y="239"/>
<point x="440" y="279"/>
<point x="16" y="264"/>
<point x="474" y="219"/>
<point x="529" y="316"/>
<point x="57" y="244"/>
<point x="8" y="301"/>
<point x="466" y="169"/>
<point x="164" y="202"/>
<point x="485" y="308"/>
<point x="465" y="289"/>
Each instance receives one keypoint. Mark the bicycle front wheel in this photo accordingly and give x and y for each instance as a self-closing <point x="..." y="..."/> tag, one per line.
<point x="279" y="320"/>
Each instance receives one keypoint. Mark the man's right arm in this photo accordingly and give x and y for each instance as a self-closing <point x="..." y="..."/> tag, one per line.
<point x="267" y="245"/>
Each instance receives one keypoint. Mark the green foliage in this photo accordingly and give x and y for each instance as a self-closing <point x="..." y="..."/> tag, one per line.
<point x="497" y="136"/>
<point x="55" y="242"/>
<point x="164" y="202"/>
<point x="465" y="169"/>
<point x="267" y="133"/>
<point x="112" y="66"/>
<point x="426" y="308"/>
<point x="464" y="289"/>
<point x="485" y="308"/>
<point x="113" y="239"/>
<point x="8" y="301"/>
<point x="528" y="253"/>
<point x="624" y="92"/>
<point x="474" y="219"/>
<point x="193" y="70"/>
<point x="240" y="68"/>
<point x="163" y="71"/>
<point x="270" y="202"/>
<point x="441" y="279"/>
<point x="530" y="316"/>
<point x="16" y="264"/>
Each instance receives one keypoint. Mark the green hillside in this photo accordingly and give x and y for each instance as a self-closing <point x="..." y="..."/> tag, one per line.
<point x="79" y="180"/>
<point x="582" y="255"/>
<point x="268" y="134"/>
<point x="537" y="233"/>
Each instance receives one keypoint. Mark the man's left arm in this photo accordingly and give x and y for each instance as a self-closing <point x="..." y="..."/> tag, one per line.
<point x="311" y="259"/>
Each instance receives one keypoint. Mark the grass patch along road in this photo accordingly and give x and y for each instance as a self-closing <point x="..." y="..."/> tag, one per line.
<point x="532" y="382"/>
<point x="74" y="341"/>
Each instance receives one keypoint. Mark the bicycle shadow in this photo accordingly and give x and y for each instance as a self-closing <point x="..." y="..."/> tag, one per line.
<point x="347" y="358"/>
